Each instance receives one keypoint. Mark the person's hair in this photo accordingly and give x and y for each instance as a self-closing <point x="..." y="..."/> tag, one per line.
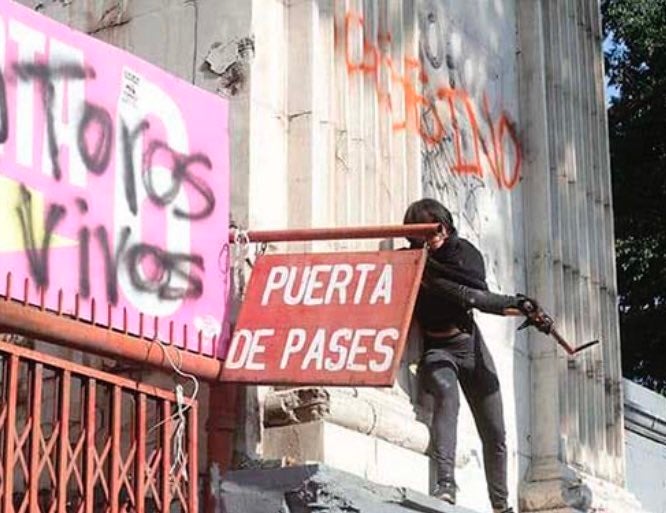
<point x="428" y="210"/>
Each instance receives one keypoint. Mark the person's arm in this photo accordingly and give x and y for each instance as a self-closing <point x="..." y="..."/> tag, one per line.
<point x="469" y="297"/>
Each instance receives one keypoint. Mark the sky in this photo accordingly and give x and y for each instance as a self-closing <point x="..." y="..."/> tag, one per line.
<point x="611" y="91"/>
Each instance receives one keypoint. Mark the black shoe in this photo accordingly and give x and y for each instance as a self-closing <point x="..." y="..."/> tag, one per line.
<point x="446" y="491"/>
<point x="507" y="510"/>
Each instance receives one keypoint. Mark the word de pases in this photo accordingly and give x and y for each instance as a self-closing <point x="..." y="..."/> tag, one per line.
<point x="319" y="321"/>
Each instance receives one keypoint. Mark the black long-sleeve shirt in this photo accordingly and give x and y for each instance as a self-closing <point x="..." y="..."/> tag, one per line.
<point x="454" y="283"/>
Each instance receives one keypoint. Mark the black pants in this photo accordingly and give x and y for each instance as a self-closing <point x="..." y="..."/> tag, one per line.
<point x="464" y="358"/>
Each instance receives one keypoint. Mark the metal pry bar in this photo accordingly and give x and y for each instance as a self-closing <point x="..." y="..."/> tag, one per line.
<point x="570" y="350"/>
<point x="567" y="347"/>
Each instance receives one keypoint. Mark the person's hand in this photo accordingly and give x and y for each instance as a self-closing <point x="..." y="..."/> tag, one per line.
<point x="535" y="315"/>
<point x="527" y="305"/>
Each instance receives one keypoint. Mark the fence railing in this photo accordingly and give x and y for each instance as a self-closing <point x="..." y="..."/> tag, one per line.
<point x="77" y="440"/>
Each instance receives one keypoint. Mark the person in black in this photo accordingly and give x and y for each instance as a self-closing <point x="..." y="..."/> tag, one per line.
<point x="454" y="283"/>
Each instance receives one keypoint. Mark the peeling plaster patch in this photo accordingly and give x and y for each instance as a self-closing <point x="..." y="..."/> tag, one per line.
<point x="115" y="14"/>
<point x="87" y="16"/>
<point x="231" y="61"/>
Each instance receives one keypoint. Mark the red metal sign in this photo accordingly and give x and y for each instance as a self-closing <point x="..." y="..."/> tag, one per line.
<point x="325" y="318"/>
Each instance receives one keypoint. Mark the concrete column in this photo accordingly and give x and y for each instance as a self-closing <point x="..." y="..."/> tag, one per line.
<point x="575" y="457"/>
<point x="537" y="195"/>
<point x="549" y="484"/>
<point x="613" y="381"/>
<point x="343" y="164"/>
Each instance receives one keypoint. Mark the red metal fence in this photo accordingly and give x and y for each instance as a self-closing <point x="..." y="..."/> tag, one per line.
<point x="77" y="440"/>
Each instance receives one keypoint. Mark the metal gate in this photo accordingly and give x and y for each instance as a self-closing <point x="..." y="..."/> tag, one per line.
<point x="74" y="439"/>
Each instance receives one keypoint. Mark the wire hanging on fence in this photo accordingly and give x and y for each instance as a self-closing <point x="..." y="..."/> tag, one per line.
<point x="179" y="454"/>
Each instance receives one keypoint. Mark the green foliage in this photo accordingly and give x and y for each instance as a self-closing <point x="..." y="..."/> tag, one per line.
<point x="636" y="66"/>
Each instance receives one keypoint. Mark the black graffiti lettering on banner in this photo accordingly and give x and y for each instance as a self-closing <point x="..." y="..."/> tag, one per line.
<point x="167" y="265"/>
<point x="4" y="120"/>
<point x="38" y="256"/>
<point x="84" y="252"/>
<point x="96" y="151"/>
<point x="84" y="262"/>
<point x="111" y="261"/>
<point x="98" y="160"/>
<point x="129" y="140"/>
<point x="46" y="76"/>
<point x="180" y="173"/>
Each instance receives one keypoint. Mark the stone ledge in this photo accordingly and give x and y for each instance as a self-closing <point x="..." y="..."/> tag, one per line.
<point x="365" y="456"/>
<point x="317" y="487"/>
<point x="367" y="411"/>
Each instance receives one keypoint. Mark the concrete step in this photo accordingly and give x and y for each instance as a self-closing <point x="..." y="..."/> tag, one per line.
<point x="318" y="488"/>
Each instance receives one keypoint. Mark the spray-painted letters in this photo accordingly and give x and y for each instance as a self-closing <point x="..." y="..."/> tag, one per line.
<point x="113" y="185"/>
<point x="441" y="113"/>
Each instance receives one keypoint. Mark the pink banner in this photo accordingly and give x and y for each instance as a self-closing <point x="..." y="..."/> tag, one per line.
<point x="114" y="185"/>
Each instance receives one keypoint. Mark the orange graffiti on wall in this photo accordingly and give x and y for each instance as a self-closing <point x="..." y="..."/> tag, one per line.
<point x="454" y="103"/>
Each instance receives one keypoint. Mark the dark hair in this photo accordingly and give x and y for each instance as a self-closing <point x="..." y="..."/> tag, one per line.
<point x="428" y="210"/>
